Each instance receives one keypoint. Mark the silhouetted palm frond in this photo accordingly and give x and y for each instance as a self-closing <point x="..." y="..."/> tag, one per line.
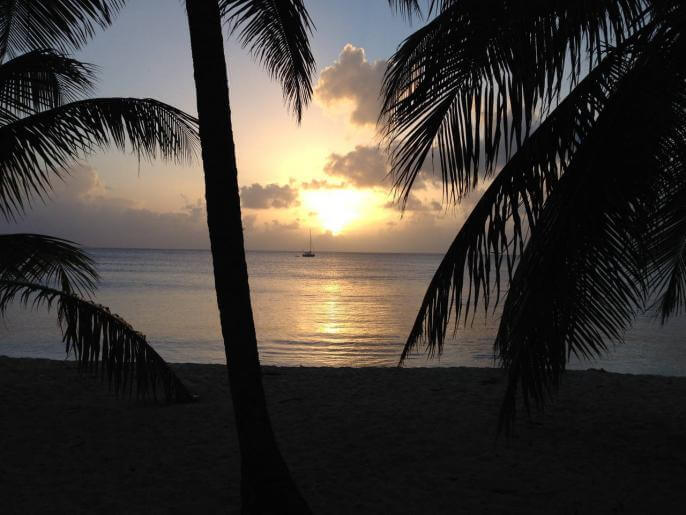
<point x="494" y="231"/>
<point x="102" y="341"/>
<point x="409" y="8"/>
<point x="584" y="276"/>
<point x="471" y="83"/>
<point x="65" y="25"/>
<point x="668" y="249"/>
<point x="277" y="34"/>
<point x="39" y="80"/>
<point x="41" y="270"/>
<point x="38" y="147"/>
<point x="44" y="127"/>
<point x="600" y="183"/>
<point x="35" y="258"/>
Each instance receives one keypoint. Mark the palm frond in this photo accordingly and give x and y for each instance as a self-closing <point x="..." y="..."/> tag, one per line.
<point x="60" y="24"/>
<point x="582" y="278"/>
<point x="40" y="80"/>
<point x="408" y="8"/>
<point x="667" y="237"/>
<point x="277" y="34"/>
<point x="414" y="7"/>
<point x="472" y="81"/>
<point x="669" y="268"/>
<point x="495" y="230"/>
<point x="35" y="258"/>
<point x="102" y="342"/>
<point x="36" y="148"/>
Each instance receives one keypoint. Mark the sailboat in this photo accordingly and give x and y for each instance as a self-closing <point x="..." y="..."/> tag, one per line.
<point x="309" y="253"/>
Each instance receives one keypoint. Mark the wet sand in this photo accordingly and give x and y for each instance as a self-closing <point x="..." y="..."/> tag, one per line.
<point x="357" y="440"/>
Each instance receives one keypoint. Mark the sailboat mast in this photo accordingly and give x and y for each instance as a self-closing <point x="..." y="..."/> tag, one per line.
<point x="309" y="253"/>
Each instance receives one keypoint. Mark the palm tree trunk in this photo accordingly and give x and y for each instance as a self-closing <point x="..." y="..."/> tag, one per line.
<point x="266" y="484"/>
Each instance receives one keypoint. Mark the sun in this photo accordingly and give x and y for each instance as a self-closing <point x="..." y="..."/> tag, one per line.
<point x="335" y="209"/>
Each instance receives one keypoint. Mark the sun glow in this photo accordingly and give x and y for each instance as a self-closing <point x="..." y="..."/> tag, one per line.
<point x="335" y="209"/>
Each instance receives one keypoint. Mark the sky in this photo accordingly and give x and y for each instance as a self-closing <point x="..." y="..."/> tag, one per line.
<point x="327" y="175"/>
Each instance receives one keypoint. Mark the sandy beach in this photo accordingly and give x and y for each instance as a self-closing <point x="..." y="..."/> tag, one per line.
<point x="357" y="440"/>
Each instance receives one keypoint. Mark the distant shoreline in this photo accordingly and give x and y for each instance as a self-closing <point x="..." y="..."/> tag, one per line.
<point x="358" y="440"/>
<point x="323" y="251"/>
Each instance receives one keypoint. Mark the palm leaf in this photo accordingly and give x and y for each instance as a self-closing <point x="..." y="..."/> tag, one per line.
<point x="40" y="80"/>
<point x="494" y="232"/>
<point x="667" y="241"/>
<point x="409" y="8"/>
<point x="670" y="265"/>
<point x="276" y="32"/>
<point x="103" y="342"/>
<point x="39" y="147"/>
<point x="583" y="276"/>
<point x="36" y="258"/>
<point x="60" y="24"/>
<point x="473" y="79"/>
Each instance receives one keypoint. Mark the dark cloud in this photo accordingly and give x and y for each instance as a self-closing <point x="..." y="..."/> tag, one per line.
<point x="279" y="226"/>
<point x="367" y="167"/>
<point x="414" y="204"/>
<point x="353" y="78"/>
<point x="316" y="184"/>
<point x="83" y="209"/>
<point x="364" y="167"/>
<point x="269" y="196"/>
<point x="273" y="227"/>
<point x="248" y="222"/>
<point x="80" y="210"/>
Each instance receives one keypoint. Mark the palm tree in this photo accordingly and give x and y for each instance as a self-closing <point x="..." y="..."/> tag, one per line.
<point x="586" y="101"/>
<point x="46" y="124"/>
<point x="277" y="34"/>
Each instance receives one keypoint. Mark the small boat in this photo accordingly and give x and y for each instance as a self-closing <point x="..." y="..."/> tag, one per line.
<point x="309" y="253"/>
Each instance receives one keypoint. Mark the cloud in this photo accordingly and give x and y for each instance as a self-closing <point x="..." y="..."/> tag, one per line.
<point x="415" y="204"/>
<point x="364" y="167"/>
<point x="353" y="79"/>
<point x="82" y="209"/>
<point x="420" y="232"/>
<point x="367" y="167"/>
<point x="417" y="232"/>
<point x="269" y="196"/>
<point x="279" y="226"/>
<point x="323" y="184"/>
<point x="84" y="183"/>
<point x="248" y="222"/>
<point x="85" y="210"/>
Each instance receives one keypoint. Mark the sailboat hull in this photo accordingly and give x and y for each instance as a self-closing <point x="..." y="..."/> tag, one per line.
<point x="309" y="253"/>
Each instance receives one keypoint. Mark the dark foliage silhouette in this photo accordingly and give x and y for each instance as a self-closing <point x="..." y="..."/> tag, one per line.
<point x="46" y="124"/>
<point x="276" y="32"/>
<point x="587" y="102"/>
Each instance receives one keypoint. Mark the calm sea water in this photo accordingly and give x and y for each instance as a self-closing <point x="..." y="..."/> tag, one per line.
<point x="337" y="309"/>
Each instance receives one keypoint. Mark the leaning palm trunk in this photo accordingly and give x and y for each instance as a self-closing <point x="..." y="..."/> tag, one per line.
<point x="267" y="486"/>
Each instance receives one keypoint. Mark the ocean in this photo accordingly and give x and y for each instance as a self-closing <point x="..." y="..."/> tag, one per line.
<point x="337" y="309"/>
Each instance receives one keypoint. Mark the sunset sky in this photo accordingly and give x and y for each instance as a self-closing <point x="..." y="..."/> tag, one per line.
<point x="327" y="175"/>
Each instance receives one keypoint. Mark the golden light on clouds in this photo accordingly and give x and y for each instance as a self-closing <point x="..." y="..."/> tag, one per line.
<point x="335" y="209"/>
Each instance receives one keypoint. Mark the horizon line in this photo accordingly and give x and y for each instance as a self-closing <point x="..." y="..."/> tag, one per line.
<point x="426" y="253"/>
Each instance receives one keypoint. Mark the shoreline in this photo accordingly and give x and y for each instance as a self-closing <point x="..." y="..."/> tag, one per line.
<point x="358" y="440"/>
<point x="573" y="367"/>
